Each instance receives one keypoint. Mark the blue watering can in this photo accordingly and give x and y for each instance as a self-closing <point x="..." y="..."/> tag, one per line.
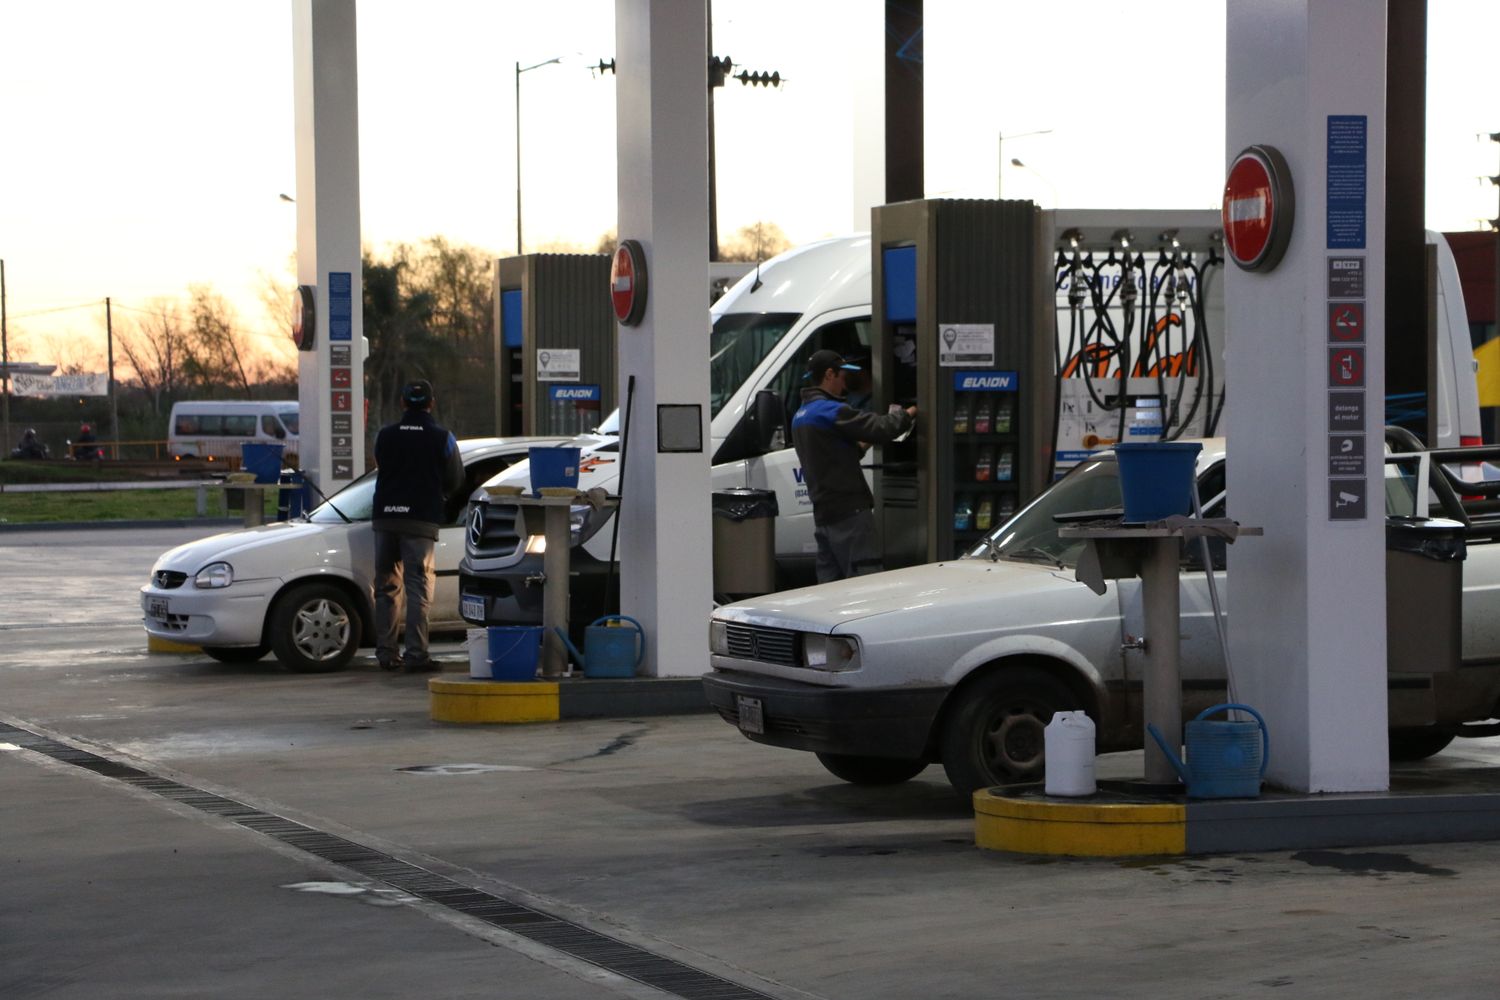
<point x="1225" y="760"/>
<point x="612" y="652"/>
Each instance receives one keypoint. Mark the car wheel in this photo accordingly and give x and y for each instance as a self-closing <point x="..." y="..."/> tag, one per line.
<point x="237" y="654"/>
<point x="314" y="627"/>
<point x="1418" y="743"/>
<point x="996" y="734"/>
<point x="859" y="770"/>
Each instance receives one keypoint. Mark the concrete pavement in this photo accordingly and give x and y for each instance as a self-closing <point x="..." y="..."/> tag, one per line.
<point x="674" y="835"/>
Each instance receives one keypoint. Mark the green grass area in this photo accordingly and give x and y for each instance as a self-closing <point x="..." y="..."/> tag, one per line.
<point x="113" y="505"/>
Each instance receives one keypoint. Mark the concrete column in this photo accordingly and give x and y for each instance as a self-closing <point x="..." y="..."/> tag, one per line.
<point x="1307" y="602"/>
<point x="662" y="127"/>
<point x="330" y="377"/>
<point x="867" y="70"/>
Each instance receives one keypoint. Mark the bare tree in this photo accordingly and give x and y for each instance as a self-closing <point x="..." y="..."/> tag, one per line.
<point x="755" y="242"/>
<point x="153" y="347"/>
<point x="216" y="350"/>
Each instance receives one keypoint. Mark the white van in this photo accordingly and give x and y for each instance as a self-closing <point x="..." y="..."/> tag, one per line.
<point x="764" y="329"/>
<point x="216" y="430"/>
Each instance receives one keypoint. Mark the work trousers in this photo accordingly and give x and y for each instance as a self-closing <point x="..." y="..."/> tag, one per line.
<point x="848" y="547"/>
<point x="402" y="563"/>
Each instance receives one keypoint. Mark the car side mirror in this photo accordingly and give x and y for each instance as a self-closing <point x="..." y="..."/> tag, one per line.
<point x="767" y="419"/>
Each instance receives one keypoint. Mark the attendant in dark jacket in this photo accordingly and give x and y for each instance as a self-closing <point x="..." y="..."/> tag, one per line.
<point x="419" y="467"/>
<point x="830" y="437"/>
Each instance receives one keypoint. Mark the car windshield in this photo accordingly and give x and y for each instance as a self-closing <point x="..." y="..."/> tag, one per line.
<point x="355" y="501"/>
<point x="737" y="345"/>
<point x="1031" y="536"/>
<point x="289" y="420"/>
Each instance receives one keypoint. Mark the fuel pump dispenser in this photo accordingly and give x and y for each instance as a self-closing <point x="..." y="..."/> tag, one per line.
<point x="1139" y="333"/>
<point x="1029" y="340"/>
<point x="957" y="286"/>
<point x="555" y="358"/>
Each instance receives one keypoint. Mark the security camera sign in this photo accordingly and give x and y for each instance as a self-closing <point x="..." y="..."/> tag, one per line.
<point x="558" y="364"/>
<point x="963" y="344"/>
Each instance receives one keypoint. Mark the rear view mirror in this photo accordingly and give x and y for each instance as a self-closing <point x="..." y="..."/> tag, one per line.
<point x="767" y="420"/>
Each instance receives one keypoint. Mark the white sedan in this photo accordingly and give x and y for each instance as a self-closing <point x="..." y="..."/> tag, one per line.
<point x="305" y="588"/>
<point x="964" y="662"/>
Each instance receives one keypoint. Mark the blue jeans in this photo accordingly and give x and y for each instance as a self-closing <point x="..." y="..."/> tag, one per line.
<point x="402" y="563"/>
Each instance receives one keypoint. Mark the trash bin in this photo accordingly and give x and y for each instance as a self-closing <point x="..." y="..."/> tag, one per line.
<point x="293" y="503"/>
<point x="744" y="542"/>
<point x="1424" y="564"/>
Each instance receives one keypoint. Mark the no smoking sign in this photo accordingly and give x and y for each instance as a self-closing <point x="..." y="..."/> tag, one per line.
<point x="1346" y="321"/>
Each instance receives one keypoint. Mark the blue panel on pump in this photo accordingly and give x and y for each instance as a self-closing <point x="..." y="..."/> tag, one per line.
<point x="900" y="284"/>
<point x="510" y="317"/>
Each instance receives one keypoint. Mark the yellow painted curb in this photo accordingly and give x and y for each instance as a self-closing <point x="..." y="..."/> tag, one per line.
<point x="492" y="701"/>
<point x="159" y="645"/>
<point x="1080" y="829"/>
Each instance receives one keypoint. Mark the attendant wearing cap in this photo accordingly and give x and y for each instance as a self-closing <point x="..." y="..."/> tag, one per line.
<point x="830" y="437"/>
<point x="419" y="467"/>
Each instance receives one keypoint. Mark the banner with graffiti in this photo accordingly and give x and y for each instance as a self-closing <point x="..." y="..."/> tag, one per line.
<point x="60" y="385"/>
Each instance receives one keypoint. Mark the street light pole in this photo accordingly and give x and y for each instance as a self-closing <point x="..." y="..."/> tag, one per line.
<point x="1000" y="149"/>
<point x="519" y="70"/>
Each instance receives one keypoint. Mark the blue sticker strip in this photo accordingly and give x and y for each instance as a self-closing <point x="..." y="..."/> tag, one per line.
<point x="1347" y="155"/>
<point x="340" y="306"/>
<point x="574" y="393"/>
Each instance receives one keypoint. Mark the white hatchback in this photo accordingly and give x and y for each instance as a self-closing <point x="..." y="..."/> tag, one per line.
<point x="305" y="588"/>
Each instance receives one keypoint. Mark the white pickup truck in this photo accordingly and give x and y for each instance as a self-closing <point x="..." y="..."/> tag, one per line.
<point x="964" y="662"/>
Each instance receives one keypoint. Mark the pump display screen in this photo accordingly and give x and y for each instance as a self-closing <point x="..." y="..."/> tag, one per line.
<point x="737" y="345"/>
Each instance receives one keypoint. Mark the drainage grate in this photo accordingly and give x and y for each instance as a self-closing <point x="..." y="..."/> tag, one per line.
<point x="624" y="959"/>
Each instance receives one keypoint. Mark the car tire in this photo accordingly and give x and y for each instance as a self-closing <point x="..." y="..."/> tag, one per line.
<point x="1418" y="743"/>
<point x="315" y="627"/>
<point x="994" y="734"/>
<point x="859" y="770"/>
<point x="237" y="654"/>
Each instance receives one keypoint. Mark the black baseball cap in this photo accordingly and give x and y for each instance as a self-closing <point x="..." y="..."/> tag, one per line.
<point x="821" y="361"/>
<point x="417" y="392"/>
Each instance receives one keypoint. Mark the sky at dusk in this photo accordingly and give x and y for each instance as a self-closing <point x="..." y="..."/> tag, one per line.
<point x="147" y="143"/>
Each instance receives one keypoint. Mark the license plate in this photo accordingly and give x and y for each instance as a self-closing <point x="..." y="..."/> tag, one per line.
<point x="752" y="715"/>
<point x="156" y="607"/>
<point x="472" y="608"/>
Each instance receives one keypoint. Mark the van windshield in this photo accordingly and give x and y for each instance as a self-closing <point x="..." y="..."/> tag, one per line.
<point x="289" y="420"/>
<point x="738" y="344"/>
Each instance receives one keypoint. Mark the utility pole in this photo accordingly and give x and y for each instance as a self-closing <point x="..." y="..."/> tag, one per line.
<point x="4" y="355"/>
<point x="114" y="404"/>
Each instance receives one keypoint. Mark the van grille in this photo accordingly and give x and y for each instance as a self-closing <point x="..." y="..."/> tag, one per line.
<point x="494" y="530"/>
<point x="769" y="645"/>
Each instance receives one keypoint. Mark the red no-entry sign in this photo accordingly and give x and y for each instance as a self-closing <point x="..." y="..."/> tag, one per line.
<point x="627" y="282"/>
<point x="1258" y="208"/>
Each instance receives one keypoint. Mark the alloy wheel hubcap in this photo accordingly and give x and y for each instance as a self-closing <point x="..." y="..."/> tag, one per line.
<point x="321" y="629"/>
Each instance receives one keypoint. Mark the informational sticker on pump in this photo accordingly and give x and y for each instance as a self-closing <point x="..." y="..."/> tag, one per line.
<point x="556" y="364"/>
<point x="965" y="344"/>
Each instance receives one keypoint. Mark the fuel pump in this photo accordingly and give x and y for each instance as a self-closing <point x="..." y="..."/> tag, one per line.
<point x="1142" y="352"/>
<point x="554" y="344"/>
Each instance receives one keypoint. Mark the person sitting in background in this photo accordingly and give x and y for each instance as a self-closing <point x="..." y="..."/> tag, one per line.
<point x="30" y="446"/>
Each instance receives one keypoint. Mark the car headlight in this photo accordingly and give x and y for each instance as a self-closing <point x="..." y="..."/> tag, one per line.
<point x="830" y="652"/>
<point x="214" y="575"/>
<point x="584" y="521"/>
<point x="718" y="637"/>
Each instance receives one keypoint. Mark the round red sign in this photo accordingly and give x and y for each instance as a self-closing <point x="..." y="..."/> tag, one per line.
<point x="1258" y="208"/>
<point x="627" y="282"/>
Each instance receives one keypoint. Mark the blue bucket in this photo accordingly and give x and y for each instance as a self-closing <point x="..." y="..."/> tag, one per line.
<point x="262" y="459"/>
<point x="1156" y="479"/>
<point x="514" y="651"/>
<point x="553" y="467"/>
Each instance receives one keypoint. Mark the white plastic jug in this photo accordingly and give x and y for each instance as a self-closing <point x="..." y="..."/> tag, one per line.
<point x="1069" y="743"/>
<point x="478" y="643"/>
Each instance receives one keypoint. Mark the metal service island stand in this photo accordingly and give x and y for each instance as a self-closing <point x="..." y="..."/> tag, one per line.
<point x="1115" y="550"/>
<point x="553" y="508"/>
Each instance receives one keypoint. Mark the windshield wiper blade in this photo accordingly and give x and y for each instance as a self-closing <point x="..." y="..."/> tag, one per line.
<point x="1035" y="554"/>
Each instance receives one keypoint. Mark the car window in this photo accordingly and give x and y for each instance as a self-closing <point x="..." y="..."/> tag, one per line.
<point x="476" y="474"/>
<point x="289" y="420"/>
<point x="355" y="501"/>
<point x="1031" y="536"/>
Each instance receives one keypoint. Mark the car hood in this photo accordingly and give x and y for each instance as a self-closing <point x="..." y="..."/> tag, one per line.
<point x="957" y="590"/>
<point x="255" y="551"/>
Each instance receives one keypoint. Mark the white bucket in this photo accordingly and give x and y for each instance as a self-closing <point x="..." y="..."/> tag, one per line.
<point x="478" y="644"/>
<point x="1069" y="742"/>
